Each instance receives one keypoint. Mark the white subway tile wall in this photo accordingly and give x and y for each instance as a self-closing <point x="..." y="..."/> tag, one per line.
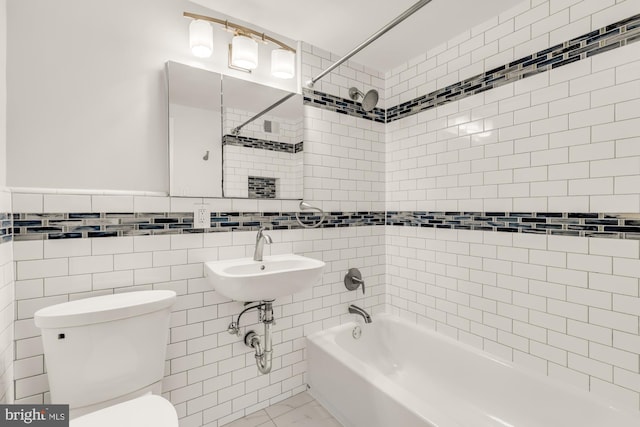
<point x="559" y="141"/>
<point x="344" y="162"/>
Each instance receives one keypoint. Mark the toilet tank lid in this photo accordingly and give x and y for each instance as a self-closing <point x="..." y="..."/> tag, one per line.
<point x="102" y="309"/>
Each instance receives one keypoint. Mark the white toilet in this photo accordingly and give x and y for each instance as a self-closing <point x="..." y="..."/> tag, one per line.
<point x="105" y="358"/>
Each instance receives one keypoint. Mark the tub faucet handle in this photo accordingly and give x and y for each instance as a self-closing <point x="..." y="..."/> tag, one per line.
<point x="360" y="282"/>
<point x="353" y="279"/>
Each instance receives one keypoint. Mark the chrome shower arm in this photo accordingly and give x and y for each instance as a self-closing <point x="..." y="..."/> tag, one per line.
<point x="407" y="13"/>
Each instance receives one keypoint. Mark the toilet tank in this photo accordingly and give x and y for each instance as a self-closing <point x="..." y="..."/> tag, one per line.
<point x="103" y="348"/>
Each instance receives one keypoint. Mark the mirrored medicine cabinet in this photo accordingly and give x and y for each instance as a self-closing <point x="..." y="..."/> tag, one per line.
<point x="230" y="137"/>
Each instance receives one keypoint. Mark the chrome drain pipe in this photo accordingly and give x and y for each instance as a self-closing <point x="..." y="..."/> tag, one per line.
<point x="264" y="354"/>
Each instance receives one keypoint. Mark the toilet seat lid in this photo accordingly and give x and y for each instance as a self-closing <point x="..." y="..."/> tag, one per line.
<point x="146" y="411"/>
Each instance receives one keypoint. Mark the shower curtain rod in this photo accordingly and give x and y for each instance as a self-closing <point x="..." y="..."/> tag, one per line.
<point x="236" y="130"/>
<point x="371" y="39"/>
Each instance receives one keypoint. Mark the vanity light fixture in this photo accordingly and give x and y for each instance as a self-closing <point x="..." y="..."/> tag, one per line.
<point x="244" y="49"/>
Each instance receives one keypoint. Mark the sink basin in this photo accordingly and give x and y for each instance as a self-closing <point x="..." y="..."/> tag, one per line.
<point x="244" y="279"/>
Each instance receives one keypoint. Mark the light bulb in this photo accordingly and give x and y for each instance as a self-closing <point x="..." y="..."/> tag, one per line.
<point x="283" y="63"/>
<point x="244" y="52"/>
<point x="201" y="38"/>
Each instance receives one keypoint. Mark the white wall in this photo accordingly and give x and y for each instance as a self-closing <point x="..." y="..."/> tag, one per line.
<point x="89" y="77"/>
<point x="6" y="249"/>
<point x="563" y="141"/>
<point x="3" y="93"/>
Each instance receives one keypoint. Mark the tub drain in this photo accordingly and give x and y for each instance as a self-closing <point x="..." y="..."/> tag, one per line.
<point x="357" y="332"/>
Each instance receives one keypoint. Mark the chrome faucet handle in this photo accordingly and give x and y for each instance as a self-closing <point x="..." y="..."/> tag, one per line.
<point x="261" y="234"/>
<point x="353" y="279"/>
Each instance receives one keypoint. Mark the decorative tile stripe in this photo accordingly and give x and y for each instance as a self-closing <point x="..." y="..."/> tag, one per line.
<point x="5" y="227"/>
<point x="615" y="226"/>
<point x="606" y="38"/>
<point x="261" y="187"/>
<point x="341" y="105"/>
<point x="263" y="144"/>
<point x="42" y="226"/>
<point x="36" y="226"/>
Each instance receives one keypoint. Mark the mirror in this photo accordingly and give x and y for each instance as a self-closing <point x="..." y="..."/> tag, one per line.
<point x="252" y="148"/>
<point x="262" y="141"/>
<point x="195" y="131"/>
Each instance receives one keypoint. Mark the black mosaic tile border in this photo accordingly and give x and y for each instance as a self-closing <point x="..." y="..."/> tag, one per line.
<point x="587" y="45"/>
<point x="579" y="224"/>
<point x="6" y="230"/>
<point x="342" y="105"/>
<point x="43" y="226"/>
<point x="262" y="144"/>
<point x="261" y="187"/>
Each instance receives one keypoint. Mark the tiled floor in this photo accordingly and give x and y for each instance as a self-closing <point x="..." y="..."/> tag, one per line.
<point x="299" y="410"/>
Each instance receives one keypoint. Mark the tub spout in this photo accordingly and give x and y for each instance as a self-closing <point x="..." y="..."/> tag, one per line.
<point x="354" y="309"/>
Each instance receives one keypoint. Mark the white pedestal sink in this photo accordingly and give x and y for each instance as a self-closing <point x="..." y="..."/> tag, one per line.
<point x="244" y="279"/>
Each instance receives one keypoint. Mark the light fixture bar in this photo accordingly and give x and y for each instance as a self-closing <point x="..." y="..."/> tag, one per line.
<point x="241" y="28"/>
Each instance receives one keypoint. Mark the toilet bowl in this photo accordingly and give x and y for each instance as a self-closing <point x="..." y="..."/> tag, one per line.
<point x="146" y="411"/>
<point x="105" y="358"/>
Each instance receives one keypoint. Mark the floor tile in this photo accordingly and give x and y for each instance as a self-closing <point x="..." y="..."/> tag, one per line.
<point x="300" y="410"/>
<point x="289" y="404"/>
<point x="311" y="414"/>
<point x="259" y="418"/>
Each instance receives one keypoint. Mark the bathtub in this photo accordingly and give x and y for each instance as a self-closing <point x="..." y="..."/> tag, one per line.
<point x="400" y="374"/>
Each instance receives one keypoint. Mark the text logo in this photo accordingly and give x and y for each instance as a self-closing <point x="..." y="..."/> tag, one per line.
<point x="34" y="415"/>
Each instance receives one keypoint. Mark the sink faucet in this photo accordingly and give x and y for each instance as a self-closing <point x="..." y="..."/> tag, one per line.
<point x="357" y="310"/>
<point x="261" y="239"/>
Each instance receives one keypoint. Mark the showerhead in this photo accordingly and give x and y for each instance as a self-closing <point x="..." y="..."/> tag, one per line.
<point x="369" y="100"/>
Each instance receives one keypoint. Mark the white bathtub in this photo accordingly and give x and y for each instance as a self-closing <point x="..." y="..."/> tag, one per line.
<point x="402" y="375"/>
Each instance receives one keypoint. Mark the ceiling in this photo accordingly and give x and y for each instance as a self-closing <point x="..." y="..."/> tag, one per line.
<point x="340" y="25"/>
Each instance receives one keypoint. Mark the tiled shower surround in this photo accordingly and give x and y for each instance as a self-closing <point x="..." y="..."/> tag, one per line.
<point x="543" y="161"/>
<point x="555" y="153"/>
